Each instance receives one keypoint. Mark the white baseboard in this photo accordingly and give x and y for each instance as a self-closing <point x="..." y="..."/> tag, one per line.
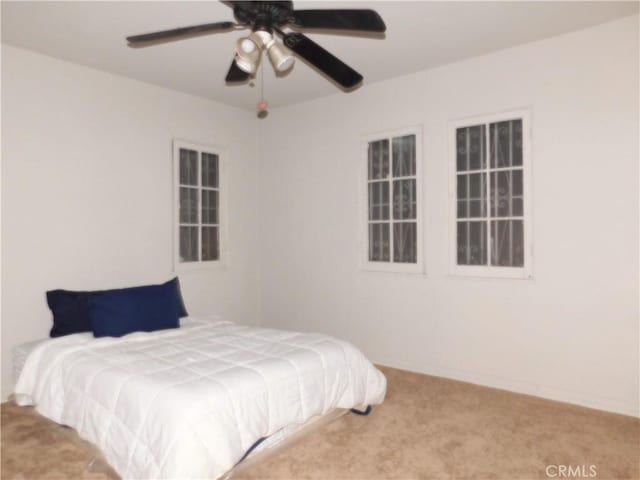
<point x="614" y="405"/>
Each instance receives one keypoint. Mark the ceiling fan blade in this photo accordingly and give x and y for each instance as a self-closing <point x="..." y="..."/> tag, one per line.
<point x="321" y="59"/>
<point x="235" y="74"/>
<point x="177" y="33"/>
<point x="363" y="20"/>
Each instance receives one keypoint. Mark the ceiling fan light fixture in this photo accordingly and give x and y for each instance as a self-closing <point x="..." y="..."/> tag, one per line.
<point x="280" y="57"/>
<point x="247" y="55"/>
<point x="246" y="65"/>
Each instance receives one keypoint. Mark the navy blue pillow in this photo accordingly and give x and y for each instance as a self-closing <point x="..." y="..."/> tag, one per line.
<point x="138" y="309"/>
<point x="70" y="312"/>
<point x="182" y="310"/>
<point x="71" y="309"/>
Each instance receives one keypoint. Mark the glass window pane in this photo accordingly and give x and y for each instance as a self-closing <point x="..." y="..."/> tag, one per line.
<point x="378" y="159"/>
<point x="378" y="200"/>
<point x="506" y="143"/>
<point x="472" y="187"/>
<point x="210" y="250"/>
<point x="476" y="186"/>
<point x="188" y="244"/>
<point x="500" y="198"/>
<point x="476" y="208"/>
<point x="507" y="243"/>
<point x="461" y="242"/>
<point x="505" y="202"/>
<point x="405" y="242"/>
<point x="516" y="185"/>
<point x="470" y="148"/>
<point x="209" y="206"/>
<point x="188" y="205"/>
<point x="500" y="243"/>
<point x="463" y="208"/>
<point x="209" y="170"/>
<point x="517" y="193"/>
<point x="404" y="199"/>
<point x="517" y="207"/>
<point x="462" y="186"/>
<point x="188" y="167"/>
<point x="517" y="242"/>
<point x="461" y="150"/>
<point x="379" y="248"/>
<point x="404" y="156"/>
<point x="471" y="243"/>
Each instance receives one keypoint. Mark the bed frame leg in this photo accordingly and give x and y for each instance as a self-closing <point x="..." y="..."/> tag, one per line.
<point x="367" y="411"/>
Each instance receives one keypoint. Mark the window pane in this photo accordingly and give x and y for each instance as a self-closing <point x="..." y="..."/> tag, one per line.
<point x="476" y="208"/>
<point x="188" y="167"/>
<point x="378" y="159"/>
<point x="517" y="242"/>
<point x="210" y="249"/>
<point x="506" y="143"/>
<point x="463" y="186"/>
<point x="188" y="244"/>
<point x="471" y="243"/>
<point x="476" y="186"/>
<point x="209" y="206"/>
<point x="507" y="243"/>
<point x="209" y="170"/>
<point x="516" y="185"/>
<point x="463" y="208"/>
<point x="404" y="199"/>
<point x="506" y="193"/>
<point x="188" y="205"/>
<point x="405" y="242"/>
<point x="470" y="148"/>
<point x="379" y="242"/>
<point x="517" y="193"/>
<point x="471" y="195"/>
<point x="404" y="156"/>
<point x="379" y="201"/>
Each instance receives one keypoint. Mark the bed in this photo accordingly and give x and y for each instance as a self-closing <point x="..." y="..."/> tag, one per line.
<point x="191" y="402"/>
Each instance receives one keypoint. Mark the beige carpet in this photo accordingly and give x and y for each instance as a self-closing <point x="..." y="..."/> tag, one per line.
<point x="428" y="428"/>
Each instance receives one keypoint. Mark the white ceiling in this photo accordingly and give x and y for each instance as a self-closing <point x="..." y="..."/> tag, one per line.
<point x="419" y="35"/>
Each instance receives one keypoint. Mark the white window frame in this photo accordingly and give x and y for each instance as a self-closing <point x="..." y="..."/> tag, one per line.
<point x="526" y="271"/>
<point x="391" y="266"/>
<point x="179" y="266"/>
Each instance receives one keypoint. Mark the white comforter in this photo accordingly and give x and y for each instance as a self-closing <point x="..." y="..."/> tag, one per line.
<point x="188" y="403"/>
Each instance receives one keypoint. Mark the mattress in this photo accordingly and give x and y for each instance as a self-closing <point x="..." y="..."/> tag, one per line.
<point x="189" y="402"/>
<point x="20" y="354"/>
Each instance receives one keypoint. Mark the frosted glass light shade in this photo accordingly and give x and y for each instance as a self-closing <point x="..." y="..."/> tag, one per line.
<point x="280" y="58"/>
<point x="247" y="55"/>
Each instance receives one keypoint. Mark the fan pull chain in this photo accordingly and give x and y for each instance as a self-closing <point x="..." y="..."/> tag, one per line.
<point x="262" y="104"/>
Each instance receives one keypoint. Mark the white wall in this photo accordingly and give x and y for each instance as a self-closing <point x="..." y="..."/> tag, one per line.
<point x="87" y="191"/>
<point x="571" y="333"/>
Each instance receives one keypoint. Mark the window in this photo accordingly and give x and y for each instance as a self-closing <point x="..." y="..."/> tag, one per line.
<point x="198" y="205"/>
<point x="491" y="208"/>
<point x="394" y="196"/>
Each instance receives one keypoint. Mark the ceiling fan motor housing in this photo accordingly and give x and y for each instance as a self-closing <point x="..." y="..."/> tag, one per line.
<point x="263" y="15"/>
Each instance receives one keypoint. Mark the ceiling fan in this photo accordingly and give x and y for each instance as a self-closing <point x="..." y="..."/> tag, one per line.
<point x="266" y="20"/>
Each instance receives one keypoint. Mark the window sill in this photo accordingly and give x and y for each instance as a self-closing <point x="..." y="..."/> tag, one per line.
<point x="499" y="273"/>
<point x="199" y="266"/>
<point x="399" y="269"/>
